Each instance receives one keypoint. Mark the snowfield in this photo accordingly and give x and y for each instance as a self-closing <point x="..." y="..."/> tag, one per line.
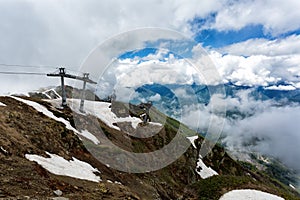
<point x="48" y="113"/>
<point x="249" y="195"/>
<point x="2" y="104"/>
<point x="99" y="109"/>
<point x="60" y="166"/>
<point x="103" y="112"/>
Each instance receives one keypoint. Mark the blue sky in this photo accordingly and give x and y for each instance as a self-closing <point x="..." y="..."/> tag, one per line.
<point x="213" y="38"/>
<point x="216" y="39"/>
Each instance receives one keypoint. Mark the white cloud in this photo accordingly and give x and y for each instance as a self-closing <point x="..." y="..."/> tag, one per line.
<point x="259" y="61"/>
<point x="253" y="125"/>
<point x="129" y="73"/>
<point x="155" y="97"/>
<point x="276" y="47"/>
<point x="276" y="129"/>
<point x="281" y="87"/>
<point x="256" y="69"/>
<point x="275" y="16"/>
<point x="62" y="33"/>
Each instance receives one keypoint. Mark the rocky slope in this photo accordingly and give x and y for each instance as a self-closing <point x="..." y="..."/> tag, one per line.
<point x="26" y="131"/>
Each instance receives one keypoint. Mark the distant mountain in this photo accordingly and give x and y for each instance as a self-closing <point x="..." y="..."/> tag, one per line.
<point x="174" y="96"/>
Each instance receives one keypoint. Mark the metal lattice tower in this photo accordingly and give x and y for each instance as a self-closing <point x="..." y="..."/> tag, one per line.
<point x="62" y="73"/>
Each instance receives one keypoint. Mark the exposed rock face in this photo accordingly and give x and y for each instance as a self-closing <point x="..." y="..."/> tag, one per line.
<point x="24" y="130"/>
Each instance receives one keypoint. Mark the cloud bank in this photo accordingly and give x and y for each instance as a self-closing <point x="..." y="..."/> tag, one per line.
<point x="269" y="127"/>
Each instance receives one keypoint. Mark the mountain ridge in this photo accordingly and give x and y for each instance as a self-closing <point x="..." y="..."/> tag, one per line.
<point x="28" y="131"/>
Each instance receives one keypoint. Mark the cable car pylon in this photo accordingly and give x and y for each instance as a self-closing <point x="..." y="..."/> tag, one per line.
<point x="62" y="73"/>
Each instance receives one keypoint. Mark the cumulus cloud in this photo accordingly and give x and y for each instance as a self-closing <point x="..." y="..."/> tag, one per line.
<point x="246" y="63"/>
<point x="130" y="73"/>
<point x="276" y="17"/>
<point x="64" y="32"/>
<point x="260" y="61"/>
<point x="276" y="47"/>
<point x="256" y="69"/>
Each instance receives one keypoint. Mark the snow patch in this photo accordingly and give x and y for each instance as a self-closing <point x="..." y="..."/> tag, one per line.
<point x="2" y="149"/>
<point x="88" y="135"/>
<point x="47" y="95"/>
<point x="155" y="123"/>
<point x="46" y="112"/>
<point x="262" y="158"/>
<point x="2" y="104"/>
<point x="249" y="195"/>
<point x="192" y="140"/>
<point x="60" y="166"/>
<point x="57" y="96"/>
<point x="293" y="187"/>
<point x="117" y="182"/>
<point x="203" y="170"/>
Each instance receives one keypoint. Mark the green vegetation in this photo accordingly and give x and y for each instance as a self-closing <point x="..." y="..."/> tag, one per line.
<point x="214" y="187"/>
<point x="280" y="172"/>
<point x="247" y="165"/>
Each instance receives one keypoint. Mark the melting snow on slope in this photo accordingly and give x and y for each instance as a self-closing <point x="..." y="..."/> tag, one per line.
<point x="249" y="195"/>
<point x="60" y="166"/>
<point x="2" y="104"/>
<point x="46" y="112"/>
<point x="103" y="112"/>
<point x="203" y="170"/>
<point x="192" y="140"/>
<point x="89" y="136"/>
<point x="53" y="92"/>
